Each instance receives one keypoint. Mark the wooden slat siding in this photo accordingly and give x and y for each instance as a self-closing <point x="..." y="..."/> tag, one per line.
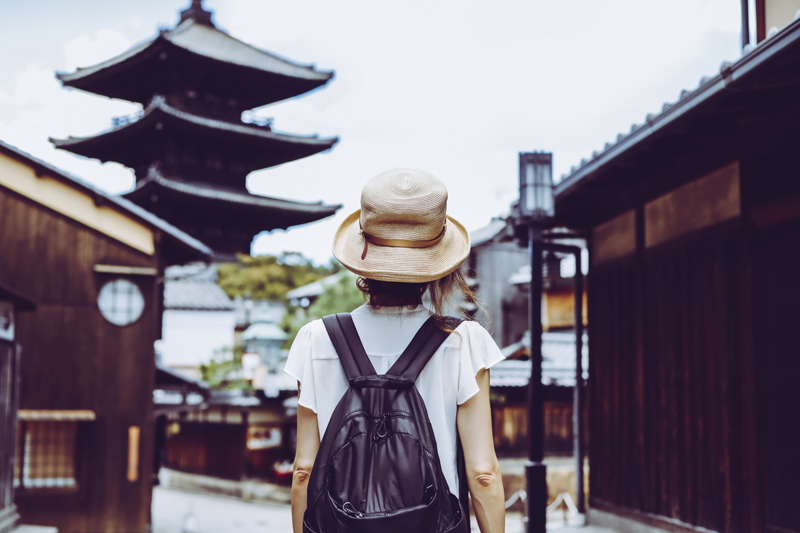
<point x="611" y="289"/>
<point x="665" y="400"/>
<point x="639" y="485"/>
<point x="74" y="359"/>
<point x="750" y="482"/>
<point x="776" y="254"/>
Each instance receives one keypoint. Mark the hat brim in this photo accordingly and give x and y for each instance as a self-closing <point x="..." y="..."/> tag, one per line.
<point x="398" y="264"/>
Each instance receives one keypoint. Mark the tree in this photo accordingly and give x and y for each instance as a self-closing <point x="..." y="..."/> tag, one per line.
<point x="269" y="277"/>
<point x="224" y="371"/>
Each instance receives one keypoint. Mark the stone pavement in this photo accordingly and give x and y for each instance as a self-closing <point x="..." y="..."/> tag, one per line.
<point x="177" y="511"/>
<point x="216" y="514"/>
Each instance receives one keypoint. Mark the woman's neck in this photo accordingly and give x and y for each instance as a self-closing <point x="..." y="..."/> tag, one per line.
<point x="385" y="300"/>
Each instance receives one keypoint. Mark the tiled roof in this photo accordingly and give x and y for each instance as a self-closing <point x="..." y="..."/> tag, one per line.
<point x="558" y="362"/>
<point x="233" y="397"/>
<point x="194" y="288"/>
<point x="158" y="106"/>
<point x="707" y="87"/>
<point x="230" y="195"/>
<point x="487" y="232"/>
<point x="199" y="249"/>
<point x="210" y="42"/>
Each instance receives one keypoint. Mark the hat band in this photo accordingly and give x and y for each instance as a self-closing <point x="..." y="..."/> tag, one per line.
<point x="398" y="243"/>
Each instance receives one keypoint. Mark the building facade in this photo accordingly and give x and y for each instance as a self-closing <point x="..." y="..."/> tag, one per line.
<point x="91" y="262"/>
<point x="694" y="226"/>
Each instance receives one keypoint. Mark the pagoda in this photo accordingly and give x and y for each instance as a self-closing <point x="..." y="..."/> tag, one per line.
<point x="189" y="148"/>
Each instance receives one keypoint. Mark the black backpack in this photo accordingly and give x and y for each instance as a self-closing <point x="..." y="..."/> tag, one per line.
<point x="377" y="467"/>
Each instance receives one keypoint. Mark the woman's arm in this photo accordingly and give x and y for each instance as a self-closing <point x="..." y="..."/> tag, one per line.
<point x="307" y="446"/>
<point x="483" y="471"/>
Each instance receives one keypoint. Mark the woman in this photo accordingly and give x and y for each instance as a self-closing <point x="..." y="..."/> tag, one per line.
<point x="403" y="246"/>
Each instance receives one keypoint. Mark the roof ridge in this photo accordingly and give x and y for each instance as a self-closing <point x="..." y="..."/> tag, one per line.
<point x="138" y="212"/>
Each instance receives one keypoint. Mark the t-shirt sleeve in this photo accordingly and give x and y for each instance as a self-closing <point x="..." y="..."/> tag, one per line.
<point x="298" y="365"/>
<point x="478" y="350"/>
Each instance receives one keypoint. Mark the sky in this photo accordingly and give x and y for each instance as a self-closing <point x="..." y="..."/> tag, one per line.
<point x="457" y="88"/>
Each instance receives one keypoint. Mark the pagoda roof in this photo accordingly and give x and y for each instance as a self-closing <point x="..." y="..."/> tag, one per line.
<point x="201" y="209"/>
<point x="295" y="212"/>
<point x="201" y="56"/>
<point x="139" y="140"/>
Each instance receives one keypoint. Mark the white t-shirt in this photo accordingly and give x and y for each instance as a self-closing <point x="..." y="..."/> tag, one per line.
<point x="447" y="381"/>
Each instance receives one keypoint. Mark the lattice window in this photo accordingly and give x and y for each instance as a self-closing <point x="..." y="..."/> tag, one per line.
<point x="46" y="452"/>
<point x="120" y="302"/>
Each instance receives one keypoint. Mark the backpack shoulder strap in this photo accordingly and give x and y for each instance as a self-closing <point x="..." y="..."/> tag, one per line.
<point x="347" y="343"/>
<point x="461" y="471"/>
<point x="421" y="348"/>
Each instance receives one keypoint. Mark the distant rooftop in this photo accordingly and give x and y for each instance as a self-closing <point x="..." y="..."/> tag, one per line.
<point x="558" y="361"/>
<point x="194" y="288"/>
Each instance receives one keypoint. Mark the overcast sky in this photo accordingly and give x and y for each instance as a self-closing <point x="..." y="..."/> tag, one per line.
<point x="454" y="87"/>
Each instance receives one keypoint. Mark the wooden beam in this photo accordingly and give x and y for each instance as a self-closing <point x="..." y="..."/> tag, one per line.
<point x="125" y="270"/>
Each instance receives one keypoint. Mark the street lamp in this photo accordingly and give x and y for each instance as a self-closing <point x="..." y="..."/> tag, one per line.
<point x="535" y="208"/>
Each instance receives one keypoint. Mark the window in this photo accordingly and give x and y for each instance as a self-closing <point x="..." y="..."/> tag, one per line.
<point x="46" y="455"/>
<point x="121" y="302"/>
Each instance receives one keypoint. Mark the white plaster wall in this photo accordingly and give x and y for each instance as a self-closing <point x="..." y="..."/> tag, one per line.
<point x="780" y="13"/>
<point x="192" y="337"/>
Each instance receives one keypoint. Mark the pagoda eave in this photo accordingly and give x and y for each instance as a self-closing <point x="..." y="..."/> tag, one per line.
<point x="161" y="126"/>
<point x="188" y="53"/>
<point x="202" y="210"/>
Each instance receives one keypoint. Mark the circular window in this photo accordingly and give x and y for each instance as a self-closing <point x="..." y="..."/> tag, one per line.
<point x="120" y="302"/>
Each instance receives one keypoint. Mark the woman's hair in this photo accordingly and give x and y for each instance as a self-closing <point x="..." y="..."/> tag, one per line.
<point x="446" y="290"/>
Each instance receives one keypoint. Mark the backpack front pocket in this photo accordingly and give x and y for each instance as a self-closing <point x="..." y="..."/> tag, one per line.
<point x="419" y="518"/>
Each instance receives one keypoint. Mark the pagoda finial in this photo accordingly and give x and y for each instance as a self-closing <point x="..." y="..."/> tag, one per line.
<point x="196" y="13"/>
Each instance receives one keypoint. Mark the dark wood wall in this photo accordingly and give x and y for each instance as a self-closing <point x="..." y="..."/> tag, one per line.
<point x="665" y="393"/>
<point x="777" y="345"/>
<point x="74" y="359"/>
<point x="9" y="359"/>
<point x="510" y="424"/>
<point x="208" y="448"/>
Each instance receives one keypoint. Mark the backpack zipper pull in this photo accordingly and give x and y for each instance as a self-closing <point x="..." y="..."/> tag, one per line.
<point x="350" y="510"/>
<point x="381" y="431"/>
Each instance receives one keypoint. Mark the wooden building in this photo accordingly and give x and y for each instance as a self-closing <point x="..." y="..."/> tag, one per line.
<point x="693" y="220"/>
<point x="499" y="271"/>
<point x="509" y="386"/>
<point x="189" y="148"/>
<point x="92" y="263"/>
<point x="11" y="303"/>
<point x="234" y="436"/>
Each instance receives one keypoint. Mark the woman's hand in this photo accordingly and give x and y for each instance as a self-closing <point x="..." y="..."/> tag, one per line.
<point x="307" y="446"/>
<point x="483" y="471"/>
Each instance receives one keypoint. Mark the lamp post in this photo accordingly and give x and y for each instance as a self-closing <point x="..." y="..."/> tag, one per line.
<point x="535" y="208"/>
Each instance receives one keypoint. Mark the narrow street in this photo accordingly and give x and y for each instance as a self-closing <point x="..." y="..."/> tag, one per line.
<point x="173" y="511"/>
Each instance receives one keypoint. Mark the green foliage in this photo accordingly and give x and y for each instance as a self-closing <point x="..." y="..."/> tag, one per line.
<point x="269" y="277"/>
<point x="224" y="372"/>
<point x="340" y="297"/>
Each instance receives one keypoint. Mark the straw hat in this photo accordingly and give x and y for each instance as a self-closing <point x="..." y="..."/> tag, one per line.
<point x="402" y="233"/>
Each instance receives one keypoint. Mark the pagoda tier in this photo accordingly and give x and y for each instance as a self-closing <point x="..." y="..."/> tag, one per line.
<point x="200" y="66"/>
<point x="224" y="218"/>
<point x="210" y="150"/>
<point x="189" y="148"/>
